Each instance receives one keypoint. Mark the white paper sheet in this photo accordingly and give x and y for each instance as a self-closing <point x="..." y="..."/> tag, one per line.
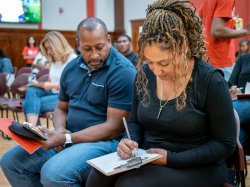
<point x="107" y="163"/>
<point x="247" y="89"/>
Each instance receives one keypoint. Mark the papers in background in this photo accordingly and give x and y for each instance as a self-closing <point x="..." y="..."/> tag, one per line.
<point x="247" y="89"/>
<point x="107" y="163"/>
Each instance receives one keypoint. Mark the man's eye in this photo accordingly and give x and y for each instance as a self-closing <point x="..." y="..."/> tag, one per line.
<point x="86" y="49"/>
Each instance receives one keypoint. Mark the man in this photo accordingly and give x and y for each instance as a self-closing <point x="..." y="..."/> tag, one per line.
<point x="124" y="46"/>
<point x="217" y="19"/>
<point x="95" y="93"/>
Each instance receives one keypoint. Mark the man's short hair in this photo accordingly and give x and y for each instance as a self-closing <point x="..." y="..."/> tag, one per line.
<point x="125" y="35"/>
<point x="91" y="24"/>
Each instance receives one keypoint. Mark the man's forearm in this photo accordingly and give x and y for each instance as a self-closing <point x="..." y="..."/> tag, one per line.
<point x="227" y="33"/>
<point x="99" y="132"/>
<point x="60" y="119"/>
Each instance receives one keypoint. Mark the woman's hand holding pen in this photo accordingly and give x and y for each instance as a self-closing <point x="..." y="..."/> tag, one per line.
<point x="161" y="161"/>
<point x="126" y="148"/>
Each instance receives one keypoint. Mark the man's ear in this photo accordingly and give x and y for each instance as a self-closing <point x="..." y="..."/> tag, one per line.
<point x="78" y="45"/>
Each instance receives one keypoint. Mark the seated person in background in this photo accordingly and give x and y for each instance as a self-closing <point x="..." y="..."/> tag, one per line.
<point x="96" y="92"/>
<point x="39" y="63"/>
<point x="5" y="63"/>
<point x="237" y="83"/>
<point x="124" y="46"/>
<point x="30" y="51"/>
<point x="43" y="97"/>
<point x="182" y="107"/>
<point x="244" y="48"/>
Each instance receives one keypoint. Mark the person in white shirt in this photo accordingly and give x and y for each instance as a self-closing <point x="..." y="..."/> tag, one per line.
<point x="42" y="97"/>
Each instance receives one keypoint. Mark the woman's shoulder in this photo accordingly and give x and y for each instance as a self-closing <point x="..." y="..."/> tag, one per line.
<point x="204" y="69"/>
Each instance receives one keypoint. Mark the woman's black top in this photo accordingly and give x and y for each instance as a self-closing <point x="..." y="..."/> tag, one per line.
<point x="203" y="133"/>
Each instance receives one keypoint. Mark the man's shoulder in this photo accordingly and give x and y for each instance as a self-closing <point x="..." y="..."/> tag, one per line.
<point x="70" y="66"/>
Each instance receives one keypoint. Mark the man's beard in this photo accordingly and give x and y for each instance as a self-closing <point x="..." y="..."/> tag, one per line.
<point x="95" y="65"/>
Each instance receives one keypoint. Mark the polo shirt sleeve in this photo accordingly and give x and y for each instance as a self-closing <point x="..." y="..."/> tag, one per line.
<point x="62" y="93"/>
<point x="120" y="88"/>
<point x="224" y="9"/>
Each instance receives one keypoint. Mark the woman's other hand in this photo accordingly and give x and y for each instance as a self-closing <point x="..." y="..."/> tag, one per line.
<point x="161" y="161"/>
<point x="126" y="148"/>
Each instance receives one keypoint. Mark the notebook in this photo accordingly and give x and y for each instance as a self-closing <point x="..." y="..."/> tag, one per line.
<point x="111" y="164"/>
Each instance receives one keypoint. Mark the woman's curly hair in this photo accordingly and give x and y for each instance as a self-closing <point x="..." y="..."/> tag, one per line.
<point x="173" y="24"/>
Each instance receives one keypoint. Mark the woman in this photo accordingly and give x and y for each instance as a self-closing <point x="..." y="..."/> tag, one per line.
<point x="42" y="97"/>
<point x="5" y="63"/>
<point x="182" y="107"/>
<point x="30" y="51"/>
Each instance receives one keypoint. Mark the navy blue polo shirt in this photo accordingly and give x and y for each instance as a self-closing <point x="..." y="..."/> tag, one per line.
<point x="90" y="93"/>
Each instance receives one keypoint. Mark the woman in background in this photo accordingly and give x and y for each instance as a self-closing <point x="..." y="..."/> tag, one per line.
<point x="30" y="51"/>
<point x="5" y="63"/>
<point x="43" y="97"/>
<point x="181" y="110"/>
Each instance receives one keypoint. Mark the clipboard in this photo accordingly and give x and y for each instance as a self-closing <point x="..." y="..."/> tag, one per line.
<point x="243" y="96"/>
<point x="111" y="164"/>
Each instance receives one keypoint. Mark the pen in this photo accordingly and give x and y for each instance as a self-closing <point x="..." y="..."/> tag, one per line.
<point x="126" y="127"/>
<point x="128" y="135"/>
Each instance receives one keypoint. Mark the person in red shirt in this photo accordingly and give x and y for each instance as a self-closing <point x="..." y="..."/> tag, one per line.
<point x="219" y="29"/>
<point x="30" y="51"/>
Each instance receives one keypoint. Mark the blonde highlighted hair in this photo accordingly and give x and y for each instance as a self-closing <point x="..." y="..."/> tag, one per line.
<point x="60" y="46"/>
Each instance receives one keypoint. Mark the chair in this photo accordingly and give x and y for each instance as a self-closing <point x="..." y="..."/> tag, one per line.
<point x="42" y="72"/>
<point x="237" y="159"/>
<point x="23" y="70"/>
<point x="43" y="78"/>
<point x="15" y="104"/>
<point x="4" y="89"/>
<point x="48" y="116"/>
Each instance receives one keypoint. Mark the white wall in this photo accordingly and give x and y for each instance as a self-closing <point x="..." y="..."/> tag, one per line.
<point x="75" y="11"/>
<point x="134" y="9"/>
<point x="104" y="10"/>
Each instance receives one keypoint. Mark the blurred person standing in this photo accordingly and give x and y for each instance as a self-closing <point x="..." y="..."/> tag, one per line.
<point x="219" y="29"/>
<point x="30" y="51"/>
<point x="124" y="46"/>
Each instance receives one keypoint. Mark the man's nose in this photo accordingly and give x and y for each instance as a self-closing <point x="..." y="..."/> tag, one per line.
<point x="94" y="54"/>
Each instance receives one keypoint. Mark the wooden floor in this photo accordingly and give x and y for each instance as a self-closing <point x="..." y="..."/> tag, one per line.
<point x="7" y="144"/>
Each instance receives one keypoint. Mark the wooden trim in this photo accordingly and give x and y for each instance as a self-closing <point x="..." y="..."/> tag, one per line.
<point x="12" y="41"/>
<point x="135" y="25"/>
<point x="119" y="16"/>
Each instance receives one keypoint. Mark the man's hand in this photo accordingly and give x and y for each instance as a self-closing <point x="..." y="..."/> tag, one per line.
<point x="55" y="138"/>
<point x="161" y="161"/>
